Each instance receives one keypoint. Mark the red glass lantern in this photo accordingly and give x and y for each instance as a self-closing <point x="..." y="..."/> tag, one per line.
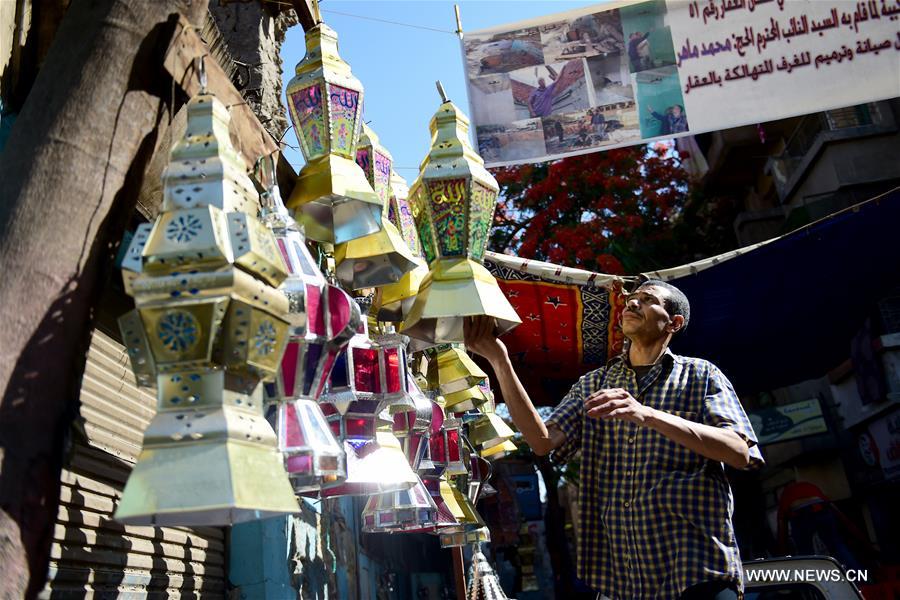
<point x="447" y="447"/>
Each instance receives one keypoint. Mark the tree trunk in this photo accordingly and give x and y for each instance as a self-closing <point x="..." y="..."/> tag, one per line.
<point x="69" y="177"/>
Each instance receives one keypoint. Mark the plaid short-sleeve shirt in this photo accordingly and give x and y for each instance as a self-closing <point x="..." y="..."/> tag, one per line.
<point x="656" y="516"/>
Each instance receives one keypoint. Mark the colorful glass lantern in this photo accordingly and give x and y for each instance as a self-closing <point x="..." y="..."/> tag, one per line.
<point x="310" y="359"/>
<point x="373" y="369"/>
<point x="382" y="257"/>
<point x="312" y="456"/>
<point x="452" y="370"/>
<point x="479" y="474"/>
<point x="413" y="428"/>
<point x="399" y="511"/>
<point x="453" y="205"/>
<point x="376" y="463"/>
<point x="396" y="300"/>
<point x="211" y="325"/>
<point x="499" y="451"/>
<point x="332" y="196"/>
<point x="447" y="446"/>
<point x="447" y="507"/>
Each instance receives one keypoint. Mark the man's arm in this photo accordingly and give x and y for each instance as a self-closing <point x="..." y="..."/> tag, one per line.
<point x="479" y="333"/>
<point x="715" y="443"/>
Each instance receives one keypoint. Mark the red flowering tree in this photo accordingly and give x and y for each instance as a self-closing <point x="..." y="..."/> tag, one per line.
<point x="621" y="211"/>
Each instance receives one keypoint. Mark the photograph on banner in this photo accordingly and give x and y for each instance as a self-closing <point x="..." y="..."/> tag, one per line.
<point x="582" y="37"/>
<point x="514" y="141"/>
<point x="554" y="89"/>
<point x="659" y="96"/>
<point x="598" y="126"/>
<point x="647" y="35"/>
<point x="503" y="52"/>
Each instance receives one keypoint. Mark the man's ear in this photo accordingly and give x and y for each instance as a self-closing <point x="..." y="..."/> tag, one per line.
<point x="675" y="324"/>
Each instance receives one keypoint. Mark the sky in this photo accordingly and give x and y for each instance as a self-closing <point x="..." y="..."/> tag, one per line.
<point x="398" y="65"/>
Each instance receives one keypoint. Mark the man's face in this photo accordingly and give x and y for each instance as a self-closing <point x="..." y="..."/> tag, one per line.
<point x="676" y="111"/>
<point x="541" y="83"/>
<point x="645" y="316"/>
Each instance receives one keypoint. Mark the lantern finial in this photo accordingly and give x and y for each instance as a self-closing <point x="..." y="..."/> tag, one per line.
<point x="440" y="89"/>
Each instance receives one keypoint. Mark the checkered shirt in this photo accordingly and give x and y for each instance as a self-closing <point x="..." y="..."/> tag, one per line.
<point x="655" y="516"/>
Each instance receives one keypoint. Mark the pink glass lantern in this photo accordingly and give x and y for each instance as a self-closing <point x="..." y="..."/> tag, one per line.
<point x="312" y="455"/>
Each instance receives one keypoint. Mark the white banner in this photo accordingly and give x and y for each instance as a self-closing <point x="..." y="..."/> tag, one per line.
<point x="623" y="73"/>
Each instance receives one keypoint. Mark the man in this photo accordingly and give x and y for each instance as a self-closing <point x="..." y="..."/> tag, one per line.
<point x="674" y="121"/>
<point x="653" y="429"/>
<point x="638" y="51"/>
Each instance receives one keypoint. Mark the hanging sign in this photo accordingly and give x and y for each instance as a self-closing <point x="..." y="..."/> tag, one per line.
<point x="623" y="73"/>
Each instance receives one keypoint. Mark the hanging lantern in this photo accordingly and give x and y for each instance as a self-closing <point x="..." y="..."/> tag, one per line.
<point x="483" y="581"/>
<point x="399" y="511"/>
<point x="396" y="299"/>
<point x="488" y="429"/>
<point x="382" y="257"/>
<point x="210" y="323"/>
<point x="332" y="196"/>
<point x="479" y="474"/>
<point x="458" y="539"/>
<point x="453" y="205"/>
<point x="375" y="461"/>
<point x="499" y="451"/>
<point x="411" y="427"/>
<point x="372" y="369"/>
<point x="468" y="399"/>
<point x="309" y="359"/>
<point x="418" y="446"/>
<point x="452" y="370"/>
<point x="447" y="446"/>
<point x="312" y="456"/>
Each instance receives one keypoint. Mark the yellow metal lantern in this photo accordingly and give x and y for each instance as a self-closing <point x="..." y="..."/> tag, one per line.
<point x="382" y="257"/>
<point x="394" y="301"/>
<point x="209" y="326"/>
<point x="452" y="370"/>
<point x="453" y="204"/>
<point x="488" y="429"/>
<point x="499" y="451"/>
<point x="457" y="539"/>
<point x="332" y="197"/>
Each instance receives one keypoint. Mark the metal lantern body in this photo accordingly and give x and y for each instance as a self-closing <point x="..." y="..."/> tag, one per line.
<point x="468" y="399"/>
<point x="332" y="196"/>
<point x="447" y="447"/>
<point x="312" y="455"/>
<point x="479" y="474"/>
<point x="458" y="539"/>
<point x="488" y="429"/>
<point x="376" y="463"/>
<point x="396" y="299"/>
<point x="452" y="370"/>
<point x="499" y="451"/>
<point x="309" y="359"/>
<point x="382" y="257"/>
<point x="372" y="369"/>
<point x="483" y="581"/>
<point x="413" y="428"/>
<point x="210" y="325"/>
<point x="448" y="510"/>
<point x="400" y="511"/>
<point x="453" y="204"/>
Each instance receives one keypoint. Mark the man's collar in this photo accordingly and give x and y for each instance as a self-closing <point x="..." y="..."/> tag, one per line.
<point x="667" y="357"/>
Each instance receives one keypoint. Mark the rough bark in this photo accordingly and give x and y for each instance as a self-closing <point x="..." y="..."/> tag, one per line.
<point x="68" y="181"/>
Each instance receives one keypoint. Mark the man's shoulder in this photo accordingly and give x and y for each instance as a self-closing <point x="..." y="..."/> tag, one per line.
<point x="694" y="364"/>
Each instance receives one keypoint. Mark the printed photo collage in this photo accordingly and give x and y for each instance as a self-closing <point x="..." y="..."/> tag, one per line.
<point x="601" y="79"/>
